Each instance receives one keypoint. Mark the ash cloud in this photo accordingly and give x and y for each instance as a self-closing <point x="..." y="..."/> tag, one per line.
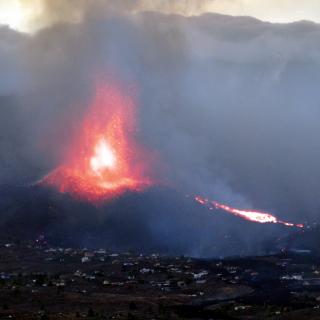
<point x="230" y="104"/>
<point x="47" y="13"/>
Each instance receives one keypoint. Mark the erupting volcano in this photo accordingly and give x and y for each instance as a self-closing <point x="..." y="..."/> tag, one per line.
<point x="104" y="159"/>
<point x="254" y="216"/>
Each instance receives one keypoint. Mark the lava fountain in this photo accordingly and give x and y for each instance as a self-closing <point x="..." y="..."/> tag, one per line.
<point x="104" y="159"/>
<point x="254" y="216"/>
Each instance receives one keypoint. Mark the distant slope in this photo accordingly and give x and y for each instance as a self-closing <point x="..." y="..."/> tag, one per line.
<point x="157" y="220"/>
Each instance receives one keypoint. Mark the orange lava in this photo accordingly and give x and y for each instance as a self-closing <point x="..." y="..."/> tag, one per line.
<point x="254" y="216"/>
<point x="104" y="160"/>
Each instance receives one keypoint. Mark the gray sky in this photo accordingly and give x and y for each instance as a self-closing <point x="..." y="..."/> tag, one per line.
<point x="30" y="15"/>
<point x="270" y="10"/>
<point x="229" y="105"/>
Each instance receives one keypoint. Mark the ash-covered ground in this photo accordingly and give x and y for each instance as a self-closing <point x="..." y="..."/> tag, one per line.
<point x="151" y="255"/>
<point x="40" y="281"/>
<point x="159" y="220"/>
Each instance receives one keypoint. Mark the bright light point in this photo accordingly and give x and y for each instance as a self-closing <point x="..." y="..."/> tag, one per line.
<point x="104" y="158"/>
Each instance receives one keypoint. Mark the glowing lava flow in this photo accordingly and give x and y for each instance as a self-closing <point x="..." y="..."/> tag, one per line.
<point x="104" y="160"/>
<point x="254" y="216"/>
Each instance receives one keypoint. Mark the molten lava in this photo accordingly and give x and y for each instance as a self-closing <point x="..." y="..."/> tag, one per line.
<point x="254" y="216"/>
<point x="104" y="159"/>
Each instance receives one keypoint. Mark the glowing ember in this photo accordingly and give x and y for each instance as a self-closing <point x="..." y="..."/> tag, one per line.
<point x="254" y="216"/>
<point x="104" y="159"/>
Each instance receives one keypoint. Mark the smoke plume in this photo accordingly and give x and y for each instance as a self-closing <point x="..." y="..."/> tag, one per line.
<point x="230" y="104"/>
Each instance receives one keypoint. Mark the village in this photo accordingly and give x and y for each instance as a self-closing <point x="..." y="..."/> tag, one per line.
<point x="39" y="281"/>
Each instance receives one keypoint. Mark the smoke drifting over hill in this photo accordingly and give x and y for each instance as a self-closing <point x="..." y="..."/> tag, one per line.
<point x="230" y="105"/>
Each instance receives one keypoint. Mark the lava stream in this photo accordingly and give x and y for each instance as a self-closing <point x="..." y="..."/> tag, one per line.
<point x="254" y="216"/>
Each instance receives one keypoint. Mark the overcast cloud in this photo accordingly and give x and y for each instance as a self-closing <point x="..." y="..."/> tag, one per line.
<point x="230" y="104"/>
